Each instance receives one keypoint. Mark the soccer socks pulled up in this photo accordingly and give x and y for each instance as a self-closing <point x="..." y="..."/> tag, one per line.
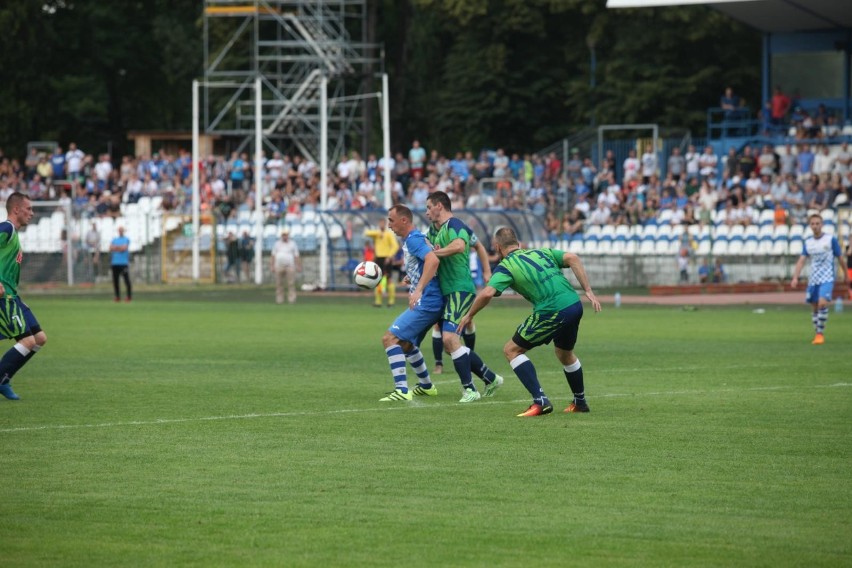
<point x="525" y="371"/>
<point x="415" y="359"/>
<point x="480" y="369"/>
<point x="821" y="318"/>
<point x="391" y="292"/>
<point x="574" y="374"/>
<point x="469" y="337"/>
<point x="32" y="352"/>
<point x="461" y="362"/>
<point x="438" y="347"/>
<point x="13" y="360"/>
<point x="396" y="360"/>
<point x="377" y="291"/>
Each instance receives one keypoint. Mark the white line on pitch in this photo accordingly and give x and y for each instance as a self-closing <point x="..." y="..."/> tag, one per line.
<point x="416" y="404"/>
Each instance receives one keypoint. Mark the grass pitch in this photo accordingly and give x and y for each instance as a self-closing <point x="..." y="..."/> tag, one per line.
<point x="214" y="428"/>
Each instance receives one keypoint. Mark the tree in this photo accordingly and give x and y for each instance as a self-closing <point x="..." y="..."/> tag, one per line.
<point x="464" y="73"/>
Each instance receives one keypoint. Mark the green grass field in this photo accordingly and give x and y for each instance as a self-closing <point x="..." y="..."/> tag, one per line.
<point x="209" y="429"/>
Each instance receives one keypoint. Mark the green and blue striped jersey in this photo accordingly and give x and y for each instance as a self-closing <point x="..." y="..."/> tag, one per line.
<point x="536" y="274"/>
<point x="454" y="271"/>
<point x="11" y="256"/>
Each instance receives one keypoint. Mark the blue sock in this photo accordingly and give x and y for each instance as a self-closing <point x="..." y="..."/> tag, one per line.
<point x="461" y="361"/>
<point x="822" y="317"/>
<point x="574" y="374"/>
<point x="415" y="359"/>
<point x="480" y="369"/>
<point x="396" y="360"/>
<point x="13" y="360"/>
<point x="525" y="370"/>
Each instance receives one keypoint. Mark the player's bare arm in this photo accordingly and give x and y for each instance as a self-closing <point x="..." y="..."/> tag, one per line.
<point x="482" y="299"/>
<point x="573" y="261"/>
<point x="483" y="260"/>
<point x="794" y="282"/>
<point x="455" y="247"/>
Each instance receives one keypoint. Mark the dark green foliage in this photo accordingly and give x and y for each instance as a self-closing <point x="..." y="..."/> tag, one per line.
<point x="464" y="73"/>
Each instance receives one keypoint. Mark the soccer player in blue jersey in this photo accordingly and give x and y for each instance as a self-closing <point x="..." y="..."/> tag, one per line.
<point x="822" y="249"/>
<point x="536" y="274"/>
<point x="16" y="319"/>
<point x="425" y="306"/>
<point x="452" y="240"/>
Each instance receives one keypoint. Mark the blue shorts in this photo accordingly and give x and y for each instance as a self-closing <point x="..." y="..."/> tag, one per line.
<point x="16" y="319"/>
<point x="456" y="304"/>
<point x="560" y="327"/>
<point x="817" y="291"/>
<point x="412" y="325"/>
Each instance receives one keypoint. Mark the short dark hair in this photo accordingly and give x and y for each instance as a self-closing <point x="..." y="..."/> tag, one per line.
<point x="14" y="200"/>
<point x="440" y="198"/>
<point x="402" y="211"/>
<point x="506" y="237"/>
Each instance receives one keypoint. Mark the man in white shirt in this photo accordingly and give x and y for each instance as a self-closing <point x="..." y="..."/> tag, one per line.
<point x="73" y="161"/>
<point x="631" y="166"/>
<point x="692" y="165"/>
<point x="285" y="262"/>
<point x="824" y="161"/>
<point x="275" y="168"/>
<point x="843" y="160"/>
<point x="103" y="169"/>
<point x="649" y="164"/>
<point x="708" y="162"/>
<point x="600" y="215"/>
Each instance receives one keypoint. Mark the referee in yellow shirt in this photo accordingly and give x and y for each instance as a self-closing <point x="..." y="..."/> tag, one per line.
<point x="386" y="246"/>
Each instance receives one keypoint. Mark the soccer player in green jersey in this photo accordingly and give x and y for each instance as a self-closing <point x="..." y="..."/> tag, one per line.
<point x="536" y="274"/>
<point x="16" y="319"/>
<point x="452" y="241"/>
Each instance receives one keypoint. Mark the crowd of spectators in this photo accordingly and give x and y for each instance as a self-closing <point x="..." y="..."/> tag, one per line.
<point x="703" y="188"/>
<point x="698" y="187"/>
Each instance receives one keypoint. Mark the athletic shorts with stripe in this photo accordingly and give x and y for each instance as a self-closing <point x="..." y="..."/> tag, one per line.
<point x="16" y="319"/>
<point x="560" y="327"/>
<point x="456" y="305"/>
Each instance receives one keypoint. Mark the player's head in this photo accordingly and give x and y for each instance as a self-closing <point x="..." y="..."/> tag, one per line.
<point x="815" y="223"/>
<point x="19" y="209"/>
<point x="400" y="220"/>
<point x="437" y="205"/>
<point x="505" y="240"/>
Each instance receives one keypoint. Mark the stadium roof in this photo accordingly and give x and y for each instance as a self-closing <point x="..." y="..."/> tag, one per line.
<point x="768" y="15"/>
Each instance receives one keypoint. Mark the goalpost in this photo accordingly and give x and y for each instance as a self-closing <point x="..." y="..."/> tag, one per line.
<point x="258" y="165"/>
<point x="51" y="245"/>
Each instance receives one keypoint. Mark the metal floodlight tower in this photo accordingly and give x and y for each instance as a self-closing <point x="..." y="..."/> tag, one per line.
<point x="291" y="45"/>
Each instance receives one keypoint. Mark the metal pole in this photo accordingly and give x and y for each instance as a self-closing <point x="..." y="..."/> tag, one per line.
<point x="258" y="183"/>
<point x="323" y="274"/>
<point x="386" y="139"/>
<point x="69" y="243"/>
<point x="196" y="263"/>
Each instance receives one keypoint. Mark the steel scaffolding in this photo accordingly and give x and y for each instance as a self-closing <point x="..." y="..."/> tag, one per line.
<point x="290" y="45"/>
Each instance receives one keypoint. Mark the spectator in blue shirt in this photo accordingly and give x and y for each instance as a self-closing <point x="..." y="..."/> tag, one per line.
<point x="805" y="161"/>
<point x="120" y="260"/>
<point x="57" y="161"/>
<point x="459" y="167"/>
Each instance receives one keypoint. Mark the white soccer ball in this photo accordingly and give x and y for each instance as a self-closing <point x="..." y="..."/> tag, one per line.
<point x="367" y="275"/>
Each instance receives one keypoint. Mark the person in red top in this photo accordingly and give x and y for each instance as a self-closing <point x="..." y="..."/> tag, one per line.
<point x="779" y="106"/>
